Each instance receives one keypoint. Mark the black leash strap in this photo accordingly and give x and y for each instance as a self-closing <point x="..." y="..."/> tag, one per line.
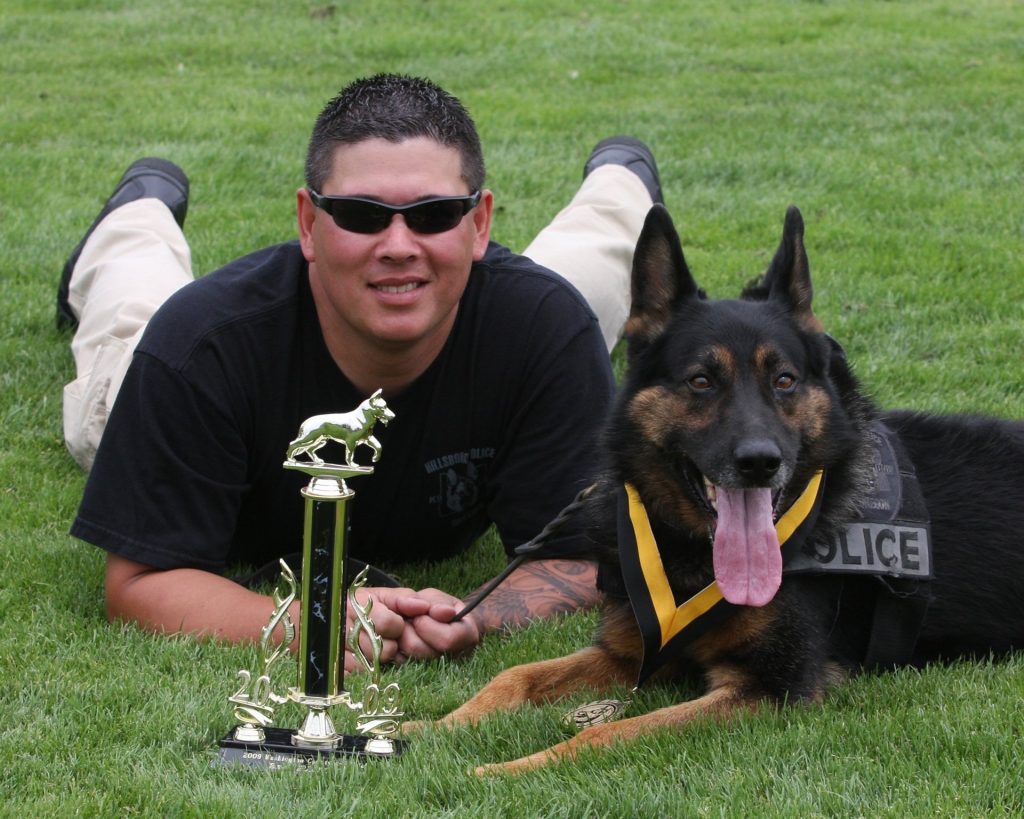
<point x="527" y="550"/>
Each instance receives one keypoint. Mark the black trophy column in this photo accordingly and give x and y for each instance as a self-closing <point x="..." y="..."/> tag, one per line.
<point x="321" y="650"/>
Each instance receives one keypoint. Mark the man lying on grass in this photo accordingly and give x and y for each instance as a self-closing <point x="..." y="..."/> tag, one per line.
<point x="496" y="369"/>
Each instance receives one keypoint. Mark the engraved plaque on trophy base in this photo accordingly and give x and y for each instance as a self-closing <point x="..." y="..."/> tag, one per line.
<point x="278" y="750"/>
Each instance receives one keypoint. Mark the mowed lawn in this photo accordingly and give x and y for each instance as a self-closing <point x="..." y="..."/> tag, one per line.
<point x="895" y="126"/>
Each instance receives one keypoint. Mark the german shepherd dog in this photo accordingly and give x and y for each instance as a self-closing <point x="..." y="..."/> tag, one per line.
<point x="727" y="411"/>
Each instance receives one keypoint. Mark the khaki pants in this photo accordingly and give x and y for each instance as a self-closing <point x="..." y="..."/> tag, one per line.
<point x="137" y="257"/>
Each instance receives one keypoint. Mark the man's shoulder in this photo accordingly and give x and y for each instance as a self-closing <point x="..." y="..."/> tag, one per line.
<point x="519" y="279"/>
<point x="517" y="316"/>
<point x="259" y="288"/>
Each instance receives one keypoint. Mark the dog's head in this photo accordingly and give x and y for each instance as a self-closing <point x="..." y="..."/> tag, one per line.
<point x="728" y="407"/>
<point x="379" y="409"/>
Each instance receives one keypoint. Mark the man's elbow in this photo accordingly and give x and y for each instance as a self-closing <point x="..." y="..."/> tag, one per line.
<point x="120" y="590"/>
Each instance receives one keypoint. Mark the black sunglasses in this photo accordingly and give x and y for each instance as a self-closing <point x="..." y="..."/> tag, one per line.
<point x="360" y="215"/>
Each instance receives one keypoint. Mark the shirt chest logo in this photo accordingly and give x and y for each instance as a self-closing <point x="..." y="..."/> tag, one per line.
<point x="458" y="477"/>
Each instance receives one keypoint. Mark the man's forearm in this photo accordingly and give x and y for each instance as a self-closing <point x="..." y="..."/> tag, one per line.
<point x="539" y="589"/>
<point x="185" y="601"/>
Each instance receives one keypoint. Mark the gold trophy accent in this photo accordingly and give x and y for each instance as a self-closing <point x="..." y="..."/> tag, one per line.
<point x="322" y="618"/>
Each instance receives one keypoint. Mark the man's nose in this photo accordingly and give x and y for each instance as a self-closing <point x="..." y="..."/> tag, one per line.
<point x="397" y="241"/>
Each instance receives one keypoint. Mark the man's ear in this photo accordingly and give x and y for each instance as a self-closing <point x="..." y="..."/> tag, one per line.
<point x="305" y="212"/>
<point x="481" y="215"/>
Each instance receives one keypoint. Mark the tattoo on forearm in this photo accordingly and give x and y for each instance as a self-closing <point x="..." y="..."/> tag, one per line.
<point x="539" y="589"/>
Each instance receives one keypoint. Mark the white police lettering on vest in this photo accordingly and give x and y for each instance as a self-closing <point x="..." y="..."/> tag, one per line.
<point x="871" y="548"/>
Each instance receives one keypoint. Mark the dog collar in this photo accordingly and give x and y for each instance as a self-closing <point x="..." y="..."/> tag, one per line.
<point x="665" y="625"/>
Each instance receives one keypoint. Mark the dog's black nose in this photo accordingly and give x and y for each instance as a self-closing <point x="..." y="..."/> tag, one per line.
<point x="758" y="460"/>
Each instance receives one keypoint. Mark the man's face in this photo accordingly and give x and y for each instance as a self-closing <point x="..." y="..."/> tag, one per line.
<point x="396" y="290"/>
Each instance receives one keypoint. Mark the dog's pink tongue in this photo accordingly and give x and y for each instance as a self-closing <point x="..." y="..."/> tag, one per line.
<point x="747" y="558"/>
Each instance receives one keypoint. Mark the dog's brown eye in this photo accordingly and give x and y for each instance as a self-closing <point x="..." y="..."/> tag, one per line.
<point x="700" y="383"/>
<point x="785" y="382"/>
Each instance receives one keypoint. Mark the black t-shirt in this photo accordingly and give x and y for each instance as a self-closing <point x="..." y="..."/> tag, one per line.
<point x="501" y="428"/>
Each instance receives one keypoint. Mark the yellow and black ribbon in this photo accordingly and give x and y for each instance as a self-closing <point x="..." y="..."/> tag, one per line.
<point x="665" y="624"/>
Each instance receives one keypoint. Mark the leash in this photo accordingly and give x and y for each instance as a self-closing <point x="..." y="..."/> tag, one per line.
<point x="526" y="550"/>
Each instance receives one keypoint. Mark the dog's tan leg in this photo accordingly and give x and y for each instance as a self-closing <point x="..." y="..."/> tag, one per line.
<point x="543" y="681"/>
<point x="721" y="701"/>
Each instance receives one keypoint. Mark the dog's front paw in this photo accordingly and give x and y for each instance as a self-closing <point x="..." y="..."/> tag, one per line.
<point x="416" y="726"/>
<point x="517" y="766"/>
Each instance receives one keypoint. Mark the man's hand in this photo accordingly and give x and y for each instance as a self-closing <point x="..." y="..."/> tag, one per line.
<point x="413" y="625"/>
<point x="418" y="624"/>
<point x="390" y="611"/>
<point x="433" y="633"/>
<point x="537" y="589"/>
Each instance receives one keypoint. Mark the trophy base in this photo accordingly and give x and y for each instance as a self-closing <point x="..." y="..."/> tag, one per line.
<point x="278" y="751"/>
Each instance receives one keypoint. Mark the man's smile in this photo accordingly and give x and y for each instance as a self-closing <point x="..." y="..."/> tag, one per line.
<point x="397" y="288"/>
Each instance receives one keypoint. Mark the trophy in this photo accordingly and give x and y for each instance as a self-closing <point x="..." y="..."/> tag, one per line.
<point x="323" y="602"/>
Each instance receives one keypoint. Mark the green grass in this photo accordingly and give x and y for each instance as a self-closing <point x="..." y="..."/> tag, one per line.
<point x="895" y="126"/>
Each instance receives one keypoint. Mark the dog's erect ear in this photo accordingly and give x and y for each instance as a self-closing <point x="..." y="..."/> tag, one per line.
<point x="661" y="279"/>
<point x="788" y="278"/>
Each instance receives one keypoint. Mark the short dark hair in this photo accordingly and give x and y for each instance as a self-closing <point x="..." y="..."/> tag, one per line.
<point x="393" y="107"/>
